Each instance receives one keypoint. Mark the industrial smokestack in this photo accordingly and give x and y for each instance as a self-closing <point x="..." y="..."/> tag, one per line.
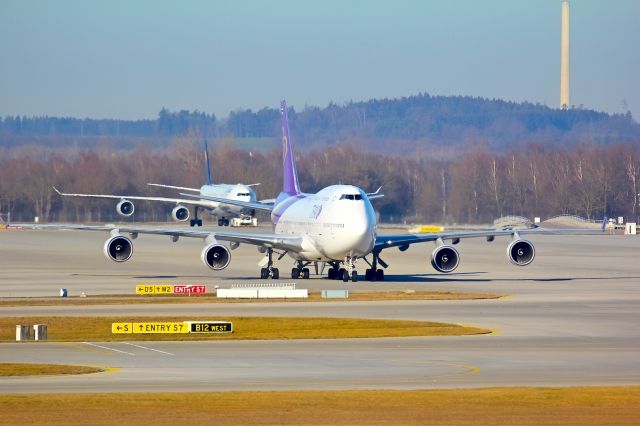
<point x="564" y="57"/>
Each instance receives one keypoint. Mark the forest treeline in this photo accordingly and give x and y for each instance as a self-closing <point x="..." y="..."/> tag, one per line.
<point x="475" y="187"/>
<point x="416" y="122"/>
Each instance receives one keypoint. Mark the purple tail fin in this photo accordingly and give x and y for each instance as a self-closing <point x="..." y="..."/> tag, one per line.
<point x="290" y="183"/>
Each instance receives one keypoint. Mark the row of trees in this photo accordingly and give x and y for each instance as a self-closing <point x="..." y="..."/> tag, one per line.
<point x="475" y="187"/>
<point x="429" y="121"/>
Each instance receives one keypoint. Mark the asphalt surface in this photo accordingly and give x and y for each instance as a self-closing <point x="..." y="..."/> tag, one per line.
<point x="570" y="318"/>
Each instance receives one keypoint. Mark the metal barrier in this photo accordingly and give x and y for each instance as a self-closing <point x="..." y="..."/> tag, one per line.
<point x="283" y="286"/>
<point x="40" y="332"/>
<point x="22" y="333"/>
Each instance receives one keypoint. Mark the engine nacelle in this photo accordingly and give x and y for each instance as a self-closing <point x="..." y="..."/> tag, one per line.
<point x="180" y="213"/>
<point x="118" y="248"/>
<point x="521" y="252"/>
<point x="445" y="259"/>
<point x="216" y="256"/>
<point x="125" y="208"/>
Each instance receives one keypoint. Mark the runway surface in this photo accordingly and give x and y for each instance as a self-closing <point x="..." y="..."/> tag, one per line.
<point x="571" y="318"/>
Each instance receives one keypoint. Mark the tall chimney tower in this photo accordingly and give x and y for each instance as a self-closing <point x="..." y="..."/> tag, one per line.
<point x="564" y="57"/>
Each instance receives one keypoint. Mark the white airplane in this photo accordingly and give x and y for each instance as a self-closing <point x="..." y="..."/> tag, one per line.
<point x="180" y="213"/>
<point x="337" y="225"/>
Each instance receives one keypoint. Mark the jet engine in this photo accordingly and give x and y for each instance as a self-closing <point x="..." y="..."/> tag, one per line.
<point x="125" y="208"/>
<point x="216" y="256"/>
<point x="180" y="213"/>
<point x="445" y="259"/>
<point x="521" y="252"/>
<point x="118" y="248"/>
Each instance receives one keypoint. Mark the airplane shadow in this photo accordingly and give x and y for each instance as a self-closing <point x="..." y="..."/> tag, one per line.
<point x="164" y="277"/>
<point x="459" y="278"/>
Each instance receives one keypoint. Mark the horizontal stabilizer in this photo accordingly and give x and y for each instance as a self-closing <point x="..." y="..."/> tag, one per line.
<point x="249" y="205"/>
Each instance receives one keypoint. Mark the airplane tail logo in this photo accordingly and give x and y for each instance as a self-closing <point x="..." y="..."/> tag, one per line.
<point x="208" y="165"/>
<point x="290" y="183"/>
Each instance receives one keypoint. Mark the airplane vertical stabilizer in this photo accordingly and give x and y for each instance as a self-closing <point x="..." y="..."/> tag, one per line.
<point x="290" y="183"/>
<point x="208" y="165"/>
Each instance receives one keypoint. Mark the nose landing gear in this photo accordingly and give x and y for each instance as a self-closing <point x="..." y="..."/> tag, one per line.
<point x="300" y="270"/>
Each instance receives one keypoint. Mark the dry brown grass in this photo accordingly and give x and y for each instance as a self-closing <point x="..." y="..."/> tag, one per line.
<point x="314" y="296"/>
<point x="248" y="328"/>
<point x="495" y="406"/>
<point x="17" y="369"/>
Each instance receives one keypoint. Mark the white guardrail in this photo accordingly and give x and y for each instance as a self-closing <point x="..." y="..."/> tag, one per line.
<point x="262" y="291"/>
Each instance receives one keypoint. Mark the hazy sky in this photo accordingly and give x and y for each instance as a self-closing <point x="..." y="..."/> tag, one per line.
<point x="127" y="59"/>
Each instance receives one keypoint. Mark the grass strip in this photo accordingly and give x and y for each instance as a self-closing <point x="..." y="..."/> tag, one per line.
<point x="493" y="406"/>
<point x="19" y="369"/>
<point x="354" y="296"/>
<point x="245" y="328"/>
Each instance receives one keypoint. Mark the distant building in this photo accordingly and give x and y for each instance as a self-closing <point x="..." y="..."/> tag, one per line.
<point x="564" y="57"/>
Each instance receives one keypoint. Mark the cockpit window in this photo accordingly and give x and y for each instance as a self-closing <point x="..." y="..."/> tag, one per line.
<point x="243" y="194"/>
<point x="351" y="197"/>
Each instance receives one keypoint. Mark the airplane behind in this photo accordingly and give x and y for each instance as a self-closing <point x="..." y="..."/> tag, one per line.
<point x="180" y="213"/>
<point x="336" y="225"/>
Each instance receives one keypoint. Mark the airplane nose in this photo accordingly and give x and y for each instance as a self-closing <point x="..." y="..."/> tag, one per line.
<point x="362" y="226"/>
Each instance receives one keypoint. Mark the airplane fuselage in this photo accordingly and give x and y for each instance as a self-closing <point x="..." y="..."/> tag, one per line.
<point x="337" y="222"/>
<point x="238" y="192"/>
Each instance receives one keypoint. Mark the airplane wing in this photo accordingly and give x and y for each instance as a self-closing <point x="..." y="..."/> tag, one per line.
<point x="173" y="187"/>
<point x="276" y="241"/>
<point x="404" y="240"/>
<point x="247" y="204"/>
<point x="130" y="197"/>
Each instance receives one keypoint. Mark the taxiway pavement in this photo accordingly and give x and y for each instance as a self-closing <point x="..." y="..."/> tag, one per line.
<point x="571" y="318"/>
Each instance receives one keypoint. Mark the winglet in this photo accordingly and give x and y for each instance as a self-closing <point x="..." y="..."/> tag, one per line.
<point x="604" y="223"/>
<point x="290" y="183"/>
<point x="208" y="165"/>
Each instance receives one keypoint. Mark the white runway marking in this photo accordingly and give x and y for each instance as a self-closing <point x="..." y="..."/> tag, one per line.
<point x="149" y="349"/>
<point x="109" y="349"/>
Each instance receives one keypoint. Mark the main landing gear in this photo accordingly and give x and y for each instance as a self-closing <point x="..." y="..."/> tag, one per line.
<point x="269" y="271"/>
<point x="300" y="270"/>
<point x="374" y="274"/>
<point x="195" y="221"/>
<point x="223" y="221"/>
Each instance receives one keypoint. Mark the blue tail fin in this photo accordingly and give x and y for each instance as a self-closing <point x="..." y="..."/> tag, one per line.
<point x="290" y="183"/>
<point x="206" y="160"/>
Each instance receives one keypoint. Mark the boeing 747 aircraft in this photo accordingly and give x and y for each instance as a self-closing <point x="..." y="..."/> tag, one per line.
<point x="180" y="212"/>
<point x="336" y="225"/>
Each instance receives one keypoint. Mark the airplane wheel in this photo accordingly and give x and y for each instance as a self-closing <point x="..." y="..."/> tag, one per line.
<point x="305" y="273"/>
<point x="341" y="273"/>
<point x="220" y="222"/>
<point x="295" y="273"/>
<point x="354" y="276"/>
<point x="332" y="274"/>
<point x="380" y="275"/>
<point x="275" y="273"/>
<point x="368" y="275"/>
<point x="199" y="222"/>
<point x="345" y="275"/>
<point x="226" y="222"/>
<point x="264" y="273"/>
